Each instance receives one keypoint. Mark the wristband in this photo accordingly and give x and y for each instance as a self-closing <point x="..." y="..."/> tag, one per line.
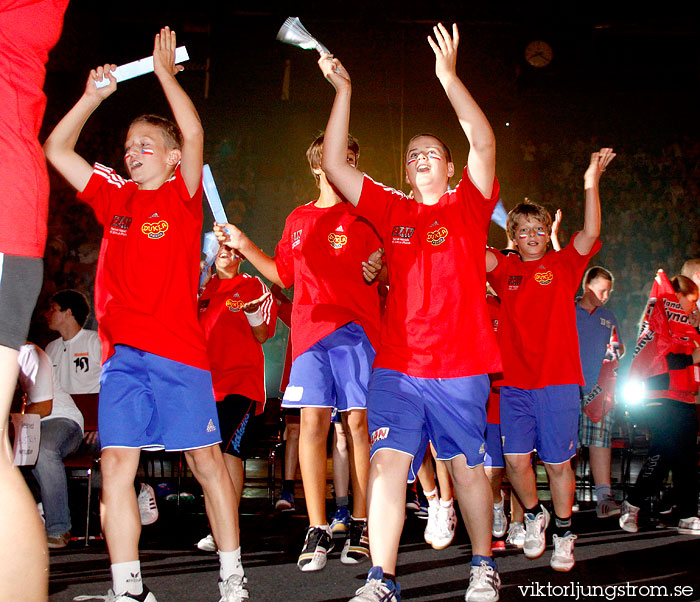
<point x="255" y="318"/>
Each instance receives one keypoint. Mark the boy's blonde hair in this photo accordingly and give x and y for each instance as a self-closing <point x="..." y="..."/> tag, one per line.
<point x="171" y="132"/>
<point x="315" y="152"/>
<point x="527" y="209"/>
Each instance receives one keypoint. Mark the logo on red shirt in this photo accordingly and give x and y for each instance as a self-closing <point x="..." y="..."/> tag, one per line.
<point x="338" y="241"/>
<point x="401" y="235"/>
<point x="296" y="238"/>
<point x="203" y="305"/>
<point x="155" y="229"/>
<point x="234" y="304"/>
<point x="544" y="278"/>
<point x="514" y="282"/>
<point x="119" y="226"/>
<point x="437" y="237"/>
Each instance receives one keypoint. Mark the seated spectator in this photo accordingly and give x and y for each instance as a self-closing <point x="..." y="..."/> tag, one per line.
<point x="61" y="434"/>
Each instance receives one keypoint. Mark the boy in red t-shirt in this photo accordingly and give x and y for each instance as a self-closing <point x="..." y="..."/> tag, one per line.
<point x="541" y="366"/>
<point x="156" y="386"/>
<point x="335" y="326"/>
<point x="430" y="378"/>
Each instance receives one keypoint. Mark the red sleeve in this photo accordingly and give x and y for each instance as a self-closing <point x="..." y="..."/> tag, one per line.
<point x="578" y="261"/>
<point x="102" y="183"/>
<point x="495" y="277"/>
<point x="283" y="256"/>
<point x="474" y="201"/>
<point x="268" y="308"/>
<point x="375" y="203"/>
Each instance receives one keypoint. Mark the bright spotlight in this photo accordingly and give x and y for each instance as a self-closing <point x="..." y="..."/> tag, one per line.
<point x="634" y="392"/>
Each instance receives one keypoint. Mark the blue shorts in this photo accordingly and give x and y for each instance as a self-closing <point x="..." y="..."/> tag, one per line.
<point x="150" y="402"/>
<point x="405" y="412"/>
<point x="494" y="447"/>
<point x="332" y="373"/>
<point x="543" y="419"/>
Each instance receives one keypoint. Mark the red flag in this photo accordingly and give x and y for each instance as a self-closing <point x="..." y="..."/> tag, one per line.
<point x="664" y="329"/>
<point x="601" y="399"/>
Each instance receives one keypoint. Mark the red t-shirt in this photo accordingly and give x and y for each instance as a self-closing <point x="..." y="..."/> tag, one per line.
<point x="28" y="31"/>
<point x="235" y="355"/>
<point x="321" y="254"/>
<point x="436" y="324"/>
<point x="148" y="269"/>
<point x="537" y="329"/>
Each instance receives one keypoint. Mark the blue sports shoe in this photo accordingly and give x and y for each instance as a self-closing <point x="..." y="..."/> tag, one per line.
<point x="341" y="522"/>
<point x="286" y="502"/>
<point x="376" y="589"/>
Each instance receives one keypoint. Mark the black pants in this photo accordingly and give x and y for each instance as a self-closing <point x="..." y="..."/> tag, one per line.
<point x="673" y="426"/>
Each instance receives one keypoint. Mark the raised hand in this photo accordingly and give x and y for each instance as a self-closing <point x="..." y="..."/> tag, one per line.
<point x="599" y="161"/>
<point x="252" y="306"/>
<point x="334" y="71"/>
<point x="229" y="235"/>
<point x="445" y="48"/>
<point x="164" y="53"/>
<point x="96" y="75"/>
<point x="373" y="265"/>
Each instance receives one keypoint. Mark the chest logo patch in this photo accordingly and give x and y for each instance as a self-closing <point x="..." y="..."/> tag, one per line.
<point x="437" y="237"/>
<point x="401" y="235"/>
<point x="514" y="282"/>
<point x="296" y="238"/>
<point x="337" y="241"/>
<point x="120" y="225"/>
<point x="544" y="278"/>
<point x="234" y="304"/>
<point x="155" y="230"/>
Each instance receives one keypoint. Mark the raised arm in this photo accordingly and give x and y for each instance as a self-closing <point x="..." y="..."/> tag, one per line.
<point x="182" y="107"/>
<point x="555" y="230"/>
<point x="60" y="145"/>
<point x="239" y="242"/>
<point x="482" y="143"/>
<point x="586" y="238"/>
<point x="335" y="139"/>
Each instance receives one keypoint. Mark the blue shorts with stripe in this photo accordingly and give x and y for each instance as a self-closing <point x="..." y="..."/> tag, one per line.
<point x="405" y="412"/>
<point x="543" y="419"/>
<point x="150" y="402"/>
<point x="332" y="373"/>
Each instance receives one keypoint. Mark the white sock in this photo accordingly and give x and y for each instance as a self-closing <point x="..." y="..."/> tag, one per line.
<point x="431" y="496"/>
<point x="126" y="577"/>
<point x="446" y="503"/>
<point x="230" y="564"/>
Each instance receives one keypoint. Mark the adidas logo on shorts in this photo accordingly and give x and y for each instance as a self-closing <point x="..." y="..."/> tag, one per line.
<point x="210" y="427"/>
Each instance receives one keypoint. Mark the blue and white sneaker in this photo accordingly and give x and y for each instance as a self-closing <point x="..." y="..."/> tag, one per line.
<point x="484" y="583"/>
<point x="535" y="527"/>
<point x="377" y="589"/>
<point x="286" y="502"/>
<point x="341" y="522"/>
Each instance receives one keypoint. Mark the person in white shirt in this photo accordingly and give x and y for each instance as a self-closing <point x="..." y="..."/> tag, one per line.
<point x="61" y="434"/>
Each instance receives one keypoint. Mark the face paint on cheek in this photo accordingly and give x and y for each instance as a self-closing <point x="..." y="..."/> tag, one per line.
<point x="540" y="234"/>
<point x="522" y="236"/>
<point x="437" y="157"/>
<point x="126" y="157"/>
<point x="411" y="161"/>
<point x="147" y="151"/>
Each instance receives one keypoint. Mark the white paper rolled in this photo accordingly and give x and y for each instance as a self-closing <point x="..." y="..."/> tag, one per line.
<point x="136" y="68"/>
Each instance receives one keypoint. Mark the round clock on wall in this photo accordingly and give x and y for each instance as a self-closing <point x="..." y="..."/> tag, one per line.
<point x="538" y="53"/>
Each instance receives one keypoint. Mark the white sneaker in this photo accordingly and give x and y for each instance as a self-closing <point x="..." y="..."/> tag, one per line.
<point x="607" y="507"/>
<point x="628" y="518"/>
<point x="484" y="584"/>
<point x="689" y="526"/>
<point x="500" y="522"/>
<point x="148" y="509"/>
<point x="233" y="589"/>
<point x="446" y="525"/>
<point x="563" y="555"/>
<point x="207" y="544"/>
<point x="516" y="534"/>
<point x="431" y="524"/>
<point x="145" y="596"/>
<point x="535" y="527"/>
